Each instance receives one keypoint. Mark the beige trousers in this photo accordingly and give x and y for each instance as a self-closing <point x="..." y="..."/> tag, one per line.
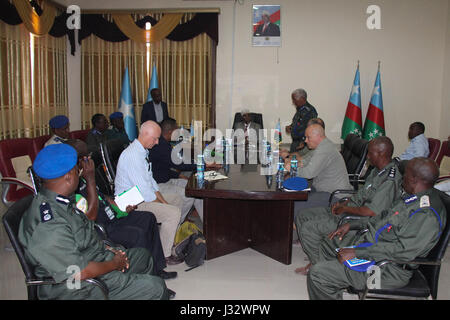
<point x="178" y="186"/>
<point x="169" y="217"/>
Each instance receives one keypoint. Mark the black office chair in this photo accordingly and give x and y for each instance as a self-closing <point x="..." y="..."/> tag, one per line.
<point x="425" y="279"/>
<point x="354" y="151"/>
<point x="256" y="117"/>
<point x="11" y="221"/>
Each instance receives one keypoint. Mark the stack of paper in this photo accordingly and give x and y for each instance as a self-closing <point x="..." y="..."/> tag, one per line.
<point x="214" y="175"/>
<point x="130" y="197"/>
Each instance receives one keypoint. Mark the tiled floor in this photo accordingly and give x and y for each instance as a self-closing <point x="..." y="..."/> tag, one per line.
<point x="243" y="275"/>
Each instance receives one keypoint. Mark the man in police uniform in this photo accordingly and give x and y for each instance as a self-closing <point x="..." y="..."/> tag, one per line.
<point x="60" y="127"/>
<point x="410" y="229"/>
<point x="117" y="131"/>
<point x="58" y="238"/>
<point x="305" y="111"/>
<point x="381" y="189"/>
<point x="131" y="228"/>
<point x="97" y="134"/>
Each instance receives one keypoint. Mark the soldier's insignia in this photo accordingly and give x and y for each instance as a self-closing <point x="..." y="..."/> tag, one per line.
<point x="424" y="201"/>
<point x="410" y="199"/>
<point x="46" y="212"/>
<point x="392" y="172"/>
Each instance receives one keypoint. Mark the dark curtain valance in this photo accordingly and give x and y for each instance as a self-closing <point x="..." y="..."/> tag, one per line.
<point x="96" y="24"/>
<point x="9" y="15"/>
<point x="108" y="31"/>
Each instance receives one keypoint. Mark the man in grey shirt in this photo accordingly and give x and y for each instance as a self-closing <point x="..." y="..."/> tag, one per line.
<point x="326" y="168"/>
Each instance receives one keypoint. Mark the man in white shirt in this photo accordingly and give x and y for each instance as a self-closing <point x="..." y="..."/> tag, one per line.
<point x="418" y="147"/>
<point x="134" y="169"/>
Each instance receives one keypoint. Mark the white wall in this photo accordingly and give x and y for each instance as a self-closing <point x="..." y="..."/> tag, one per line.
<point x="445" y="114"/>
<point x="321" y="43"/>
<point x="74" y="85"/>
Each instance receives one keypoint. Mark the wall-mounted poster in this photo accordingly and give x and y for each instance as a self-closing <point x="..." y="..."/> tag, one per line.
<point x="266" y="25"/>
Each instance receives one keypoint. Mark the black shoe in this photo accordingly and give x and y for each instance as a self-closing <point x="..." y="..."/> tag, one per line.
<point x="172" y="260"/>
<point x="171" y="293"/>
<point x="167" y="275"/>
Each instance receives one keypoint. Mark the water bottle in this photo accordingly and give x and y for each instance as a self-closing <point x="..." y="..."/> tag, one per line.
<point x="264" y="152"/>
<point x="207" y="153"/>
<point x="269" y="179"/>
<point x="294" y="166"/>
<point x="200" y="167"/>
<point x="224" y="148"/>
<point x="280" y="173"/>
<point x="269" y="152"/>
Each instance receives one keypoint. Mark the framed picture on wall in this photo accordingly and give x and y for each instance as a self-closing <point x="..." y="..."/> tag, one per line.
<point x="266" y="25"/>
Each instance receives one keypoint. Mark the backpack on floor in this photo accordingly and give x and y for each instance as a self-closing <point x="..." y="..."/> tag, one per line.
<point x="192" y="249"/>
<point x="184" y="231"/>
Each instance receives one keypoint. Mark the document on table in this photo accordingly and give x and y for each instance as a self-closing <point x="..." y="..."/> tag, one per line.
<point x="213" y="176"/>
<point x="130" y="197"/>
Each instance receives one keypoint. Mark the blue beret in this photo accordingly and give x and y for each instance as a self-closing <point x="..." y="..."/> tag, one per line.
<point x="295" y="183"/>
<point x="55" y="160"/>
<point x="58" y="122"/>
<point x="115" y="115"/>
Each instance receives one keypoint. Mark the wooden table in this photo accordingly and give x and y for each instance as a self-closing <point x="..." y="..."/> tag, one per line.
<point x="246" y="210"/>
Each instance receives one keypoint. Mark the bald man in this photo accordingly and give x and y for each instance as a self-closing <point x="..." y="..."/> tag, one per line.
<point x="134" y="169"/>
<point x="406" y="231"/>
<point x="381" y="189"/>
<point x="326" y="168"/>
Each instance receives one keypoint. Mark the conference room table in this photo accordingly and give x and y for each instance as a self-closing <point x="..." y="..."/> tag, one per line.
<point x="246" y="210"/>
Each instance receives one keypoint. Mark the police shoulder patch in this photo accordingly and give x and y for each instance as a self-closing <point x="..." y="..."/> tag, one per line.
<point x="46" y="212"/>
<point x="424" y="201"/>
<point x="392" y="172"/>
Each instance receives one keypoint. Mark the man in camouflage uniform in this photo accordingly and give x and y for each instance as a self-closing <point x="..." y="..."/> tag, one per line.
<point x="58" y="239"/>
<point x="406" y="231"/>
<point x="381" y="189"/>
<point x="305" y="112"/>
